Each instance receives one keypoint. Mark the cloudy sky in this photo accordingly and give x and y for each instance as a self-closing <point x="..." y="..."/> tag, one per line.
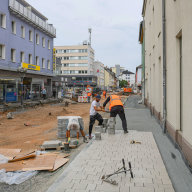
<point x="114" y="23"/>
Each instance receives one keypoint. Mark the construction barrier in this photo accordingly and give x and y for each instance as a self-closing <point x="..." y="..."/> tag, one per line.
<point x="83" y="99"/>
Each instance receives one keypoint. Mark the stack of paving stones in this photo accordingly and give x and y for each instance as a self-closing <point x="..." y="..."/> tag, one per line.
<point x="98" y="132"/>
<point x="62" y="126"/>
<point x="111" y="126"/>
<point x="104" y="126"/>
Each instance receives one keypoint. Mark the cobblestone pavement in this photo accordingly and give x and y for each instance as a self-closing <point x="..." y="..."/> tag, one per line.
<point x="105" y="156"/>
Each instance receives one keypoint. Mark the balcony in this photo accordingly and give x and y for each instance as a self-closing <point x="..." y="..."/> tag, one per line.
<point x="26" y="14"/>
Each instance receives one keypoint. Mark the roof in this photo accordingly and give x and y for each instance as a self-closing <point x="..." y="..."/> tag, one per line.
<point x="127" y="72"/>
<point x="140" y="66"/>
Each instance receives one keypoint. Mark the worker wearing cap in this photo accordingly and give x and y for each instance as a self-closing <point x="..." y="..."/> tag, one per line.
<point x="116" y="107"/>
<point x="94" y="115"/>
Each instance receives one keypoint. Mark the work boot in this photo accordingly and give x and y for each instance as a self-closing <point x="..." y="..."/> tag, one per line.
<point x="125" y="132"/>
<point x="90" y="137"/>
<point x="85" y="140"/>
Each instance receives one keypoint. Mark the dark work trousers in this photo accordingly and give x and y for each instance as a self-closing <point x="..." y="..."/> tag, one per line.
<point x="97" y="117"/>
<point x="120" y="111"/>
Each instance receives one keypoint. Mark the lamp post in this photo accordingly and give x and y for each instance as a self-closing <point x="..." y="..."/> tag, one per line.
<point x="22" y="72"/>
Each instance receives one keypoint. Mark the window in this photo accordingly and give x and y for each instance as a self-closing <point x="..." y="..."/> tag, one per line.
<point x="37" y="60"/>
<point x="22" y="57"/>
<point x="43" y="42"/>
<point x="49" y="46"/>
<point x="48" y="65"/>
<point x="13" y="55"/>
<point x="2" y="51"/>
<point x="43" y="63"/>
<point x="30" y="59"/>
<point x="22" y="32"/>
<point x="30" y="35"/>
<point x="37" y="39"/>
<point x="3" y="20"/>
<point x="13" y="25"/>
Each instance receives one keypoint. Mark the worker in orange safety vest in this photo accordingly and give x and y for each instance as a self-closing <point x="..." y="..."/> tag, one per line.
<point x="116" y="107"/>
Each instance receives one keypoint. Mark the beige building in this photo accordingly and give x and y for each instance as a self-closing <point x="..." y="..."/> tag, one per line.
<point x="168" y="67"/>
<point x="76" y="60"/>
<point x="110" y="79"/>
<point x="99" y="72"/>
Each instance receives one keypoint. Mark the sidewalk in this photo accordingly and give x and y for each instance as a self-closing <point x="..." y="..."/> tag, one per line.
<point x="105" y="156"/>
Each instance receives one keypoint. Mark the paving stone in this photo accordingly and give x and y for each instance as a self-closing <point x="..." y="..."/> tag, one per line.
<point x="51" y="144"/>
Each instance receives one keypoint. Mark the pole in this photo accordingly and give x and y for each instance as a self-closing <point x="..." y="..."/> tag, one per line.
<point x="164" y="64"/>
<point x="22" y="91"/>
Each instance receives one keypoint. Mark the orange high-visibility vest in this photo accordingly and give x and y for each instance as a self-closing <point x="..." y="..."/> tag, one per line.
<point x="114" y="101"/>
<point x="104" y="93"/>
<point x="89" y="94"/>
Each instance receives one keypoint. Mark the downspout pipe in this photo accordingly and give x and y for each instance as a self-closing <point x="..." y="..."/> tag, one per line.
<point x="164" y="64"/>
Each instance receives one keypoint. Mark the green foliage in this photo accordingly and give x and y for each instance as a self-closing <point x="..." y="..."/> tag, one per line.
<point x="123" y="83"/>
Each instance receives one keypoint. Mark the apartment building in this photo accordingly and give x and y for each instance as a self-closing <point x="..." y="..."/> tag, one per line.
<point x="77" y="64"/>
<point x="138" y="77"/>
<point x="26" y="51"/>
<point x="128" y="76"/>
<point x="99" y="71"/>
<point x="168" y="47"/>
<point x="110" y="79"/>
<point x="117" y="70"/>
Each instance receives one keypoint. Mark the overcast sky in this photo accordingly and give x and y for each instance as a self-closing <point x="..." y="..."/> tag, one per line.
<point x="114" y="23"/>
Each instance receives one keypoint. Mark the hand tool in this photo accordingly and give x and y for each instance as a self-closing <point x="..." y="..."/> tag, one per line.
<point x="121" y="170"/>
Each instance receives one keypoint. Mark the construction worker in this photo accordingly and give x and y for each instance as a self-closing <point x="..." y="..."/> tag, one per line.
<point x="94" y="115"/>
<point x="88" y="97"/>
<point x="116" y="107"/>
<point x="104" y="94"/>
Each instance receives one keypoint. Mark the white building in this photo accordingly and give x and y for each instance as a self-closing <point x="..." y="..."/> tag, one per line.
<point x="99" y="72"/>
<point x="128" y="76"/>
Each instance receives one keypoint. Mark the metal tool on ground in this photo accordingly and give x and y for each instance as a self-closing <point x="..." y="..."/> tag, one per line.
<point x="135" y="142"/>
<point x="121" y="170"/>
<point x="66" y="147"/>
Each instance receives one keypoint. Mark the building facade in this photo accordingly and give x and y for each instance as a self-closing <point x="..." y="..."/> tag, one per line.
<point x="77" y="65"/>
<point x="138" y="77"/>
<point x="128" y="76"/>
<point x="99" y="71"/>
<point x="26" y="51"/>
<point x="110" y="79"/>
<point x="168" y="58"/>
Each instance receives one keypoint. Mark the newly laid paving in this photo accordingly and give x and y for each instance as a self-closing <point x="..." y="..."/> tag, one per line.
<point x="105" y="156"/>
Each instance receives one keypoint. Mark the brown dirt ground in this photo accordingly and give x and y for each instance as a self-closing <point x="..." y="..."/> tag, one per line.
<point x="42" y="126"/>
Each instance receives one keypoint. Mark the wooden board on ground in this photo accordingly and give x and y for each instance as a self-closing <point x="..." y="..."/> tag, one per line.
<point x="60" y="161"/>
<point x="40" y="162"/>
<point x="10" y="153"/>
<point x="23" y="157"/>
<point x="59" y="154"/>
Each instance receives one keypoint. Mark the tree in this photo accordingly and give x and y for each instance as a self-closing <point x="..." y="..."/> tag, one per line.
<point x="123" y="83"/>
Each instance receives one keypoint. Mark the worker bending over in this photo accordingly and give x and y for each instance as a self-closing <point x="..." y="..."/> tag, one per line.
<point x="94" y="115"/>
<point x="116" y="107"/>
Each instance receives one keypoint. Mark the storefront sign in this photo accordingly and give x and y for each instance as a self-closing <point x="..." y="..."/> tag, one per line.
<point x="31" y="67"/>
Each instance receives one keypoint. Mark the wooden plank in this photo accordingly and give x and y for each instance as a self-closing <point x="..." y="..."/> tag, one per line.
<point x="60" y="161"/>
<point x="33" y="155"/>
<point x="40" y="162"/>
<point x="10" y="153"/>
